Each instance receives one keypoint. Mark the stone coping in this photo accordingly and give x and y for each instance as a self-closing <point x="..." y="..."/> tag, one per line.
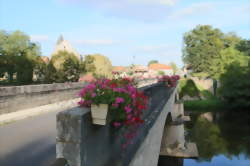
<point x="26" y="89"/>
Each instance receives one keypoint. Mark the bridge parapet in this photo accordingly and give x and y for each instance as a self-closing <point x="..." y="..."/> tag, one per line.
<point x="84" y="144"/>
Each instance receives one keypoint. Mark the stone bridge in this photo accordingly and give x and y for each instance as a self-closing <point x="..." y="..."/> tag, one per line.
<point x="79" y="143"/>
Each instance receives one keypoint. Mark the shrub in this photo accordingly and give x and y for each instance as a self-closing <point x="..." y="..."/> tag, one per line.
<point x="235" y="86"/>
<point x="188" y="87"/>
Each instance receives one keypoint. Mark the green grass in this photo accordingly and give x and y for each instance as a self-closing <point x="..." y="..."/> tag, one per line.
<point x="213" y="104"/>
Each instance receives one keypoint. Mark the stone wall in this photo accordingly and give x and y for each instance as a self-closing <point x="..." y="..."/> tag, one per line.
<point x="83" y="144"/>
<point x="17" y="98"/>
<point x="207" y="84"/>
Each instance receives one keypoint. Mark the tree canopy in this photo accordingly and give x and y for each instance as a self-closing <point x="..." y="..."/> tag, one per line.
<point x="152" y="62"/>
<point x="208" y="50"/>
<point x="98" y="64"/>
<point x="18" y="55"/>
<point x="64" y="66"/>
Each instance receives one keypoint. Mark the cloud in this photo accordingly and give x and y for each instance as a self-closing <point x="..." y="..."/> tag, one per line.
<point x="39" y="38"/>
<point x="135" y="9"/>
<point x="194" y="9"/>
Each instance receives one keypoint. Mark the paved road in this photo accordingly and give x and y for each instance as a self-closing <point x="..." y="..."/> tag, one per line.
<point x="29" y="142"/>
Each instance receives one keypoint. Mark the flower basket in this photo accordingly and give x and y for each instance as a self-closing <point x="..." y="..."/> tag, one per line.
<point x="99" y="114"/>
<point x="124" y="104"/>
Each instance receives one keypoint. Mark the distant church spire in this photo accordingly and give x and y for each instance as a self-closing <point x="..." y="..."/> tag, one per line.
<point x="60" y="39"/>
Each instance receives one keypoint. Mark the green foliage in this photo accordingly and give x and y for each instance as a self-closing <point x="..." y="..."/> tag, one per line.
<point x="152" y="62"/>
<point x="202" y="48"/>
<point x="161" y="73"/>
<point x="208" y="50"/>
<point x="188" y="87"/>
<point x="211" y="104"/>
<point x="207" y="136"/>
<point x="235" y="83"/>
<point x="227" y="57"/>
<point x="18" y="56"/>
<point x="89" y="64"/>
<point x="99" y="65"/>
<point x="72" y="69"/>
<point x="63" y="67"/>
<point x="244" y="46"/>
<point x="174" y="67"/>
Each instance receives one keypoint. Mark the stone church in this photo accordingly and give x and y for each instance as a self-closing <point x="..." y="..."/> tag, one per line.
<point x="64" y="45"/>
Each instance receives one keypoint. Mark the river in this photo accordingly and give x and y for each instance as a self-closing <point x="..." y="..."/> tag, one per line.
<point x="222" y="139"/>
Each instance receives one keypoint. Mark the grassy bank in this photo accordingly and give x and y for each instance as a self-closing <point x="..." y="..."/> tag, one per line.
<point x="206" y="105"/>
<point x="209" y="101"/>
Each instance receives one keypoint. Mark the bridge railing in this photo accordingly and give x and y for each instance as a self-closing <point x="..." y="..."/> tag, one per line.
<point x="84" y="144"/>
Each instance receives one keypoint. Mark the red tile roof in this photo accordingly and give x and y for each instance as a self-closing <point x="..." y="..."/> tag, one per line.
<point x="87" y="78"/>
<point x="157" y="66"/>
<point x="119" y="69"/>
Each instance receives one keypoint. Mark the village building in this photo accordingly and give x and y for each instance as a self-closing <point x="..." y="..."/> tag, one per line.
<point x="64" y="45"/>
<point x="156" y="68"/>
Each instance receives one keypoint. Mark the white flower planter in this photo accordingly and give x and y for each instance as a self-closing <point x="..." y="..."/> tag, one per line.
<point x="99" y="113"/>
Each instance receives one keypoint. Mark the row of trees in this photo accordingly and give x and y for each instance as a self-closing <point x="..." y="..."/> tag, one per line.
<point x="21" y="63"/>
<point x="221" y="56"/>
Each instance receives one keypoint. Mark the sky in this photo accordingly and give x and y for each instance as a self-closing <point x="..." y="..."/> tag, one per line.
<point x="126" y="31"/>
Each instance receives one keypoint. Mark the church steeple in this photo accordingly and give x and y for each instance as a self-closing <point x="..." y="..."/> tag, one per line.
<point x="60" y="39"/>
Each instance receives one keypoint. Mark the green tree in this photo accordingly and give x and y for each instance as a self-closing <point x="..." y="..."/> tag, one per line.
<point x="244" y="46"/>
<point x="152" y="62"/>
<point x="235" y="83"/>
<point x="17" y="55"/>
<point x="202" y="47"/>
<point x="174" y="67"/>
<point x="227" y="56"/>
<point x="99" y="65"/>
<point x="64" y="66"/>
<point x="88" y="64"/>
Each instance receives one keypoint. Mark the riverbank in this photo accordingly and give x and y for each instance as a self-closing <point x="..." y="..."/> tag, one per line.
<point x="212" y="104"/>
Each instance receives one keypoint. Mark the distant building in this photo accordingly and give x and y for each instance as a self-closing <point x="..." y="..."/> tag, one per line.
<point x="157" y="67"/>
<point x="45" y="59"/>
<point x="120" y="71"/>
<point x="64" y="45"/>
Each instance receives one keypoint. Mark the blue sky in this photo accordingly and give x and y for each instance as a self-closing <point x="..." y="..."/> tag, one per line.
<point x="126" y="31"/>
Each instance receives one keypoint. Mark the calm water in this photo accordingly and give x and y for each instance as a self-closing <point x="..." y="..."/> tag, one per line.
<point x="222" y="139"/>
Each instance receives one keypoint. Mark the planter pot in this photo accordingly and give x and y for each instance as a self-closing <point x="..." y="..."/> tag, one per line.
<point x="99" y="114"/>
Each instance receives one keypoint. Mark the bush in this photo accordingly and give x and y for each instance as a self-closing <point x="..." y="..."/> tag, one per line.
<point x="188" y="87"/>
<point x="63" y="67"/>
<point x="235" y="86"/>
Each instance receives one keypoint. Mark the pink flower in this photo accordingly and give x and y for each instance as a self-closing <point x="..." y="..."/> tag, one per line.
<point x="127" y="108"/>
<point x="81" y="102"/>
<point x="129" y="116"/>
<point x="91" y="86"/>
<point x="119" y="100"/>
<point x="93" y="95"/>
<point x="117" y="124"/>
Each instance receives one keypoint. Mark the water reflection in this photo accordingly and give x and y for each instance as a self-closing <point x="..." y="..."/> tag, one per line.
<point x="221" y="133"/>
<point x="222" y="139"/>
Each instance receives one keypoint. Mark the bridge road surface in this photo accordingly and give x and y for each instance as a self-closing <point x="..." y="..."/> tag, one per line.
<point x="29" y="142"/>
